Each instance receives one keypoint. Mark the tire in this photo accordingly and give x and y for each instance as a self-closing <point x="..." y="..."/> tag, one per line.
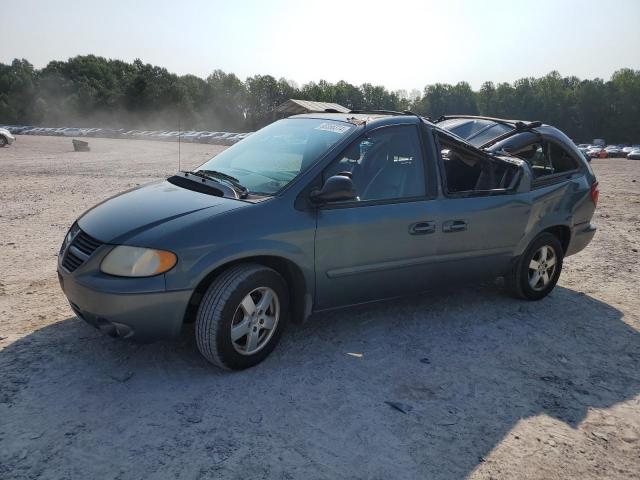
<point x="224" y="306"/>
<point x="520" y="278"/>
<point x="3" y="141"/>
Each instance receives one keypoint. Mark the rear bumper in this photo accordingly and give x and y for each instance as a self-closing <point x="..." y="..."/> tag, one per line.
<point x="140" y="316"/>
<point x="580" y="238"/>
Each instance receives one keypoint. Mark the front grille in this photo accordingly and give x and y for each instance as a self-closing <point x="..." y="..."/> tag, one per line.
<point x="85" y="243"/>
<point x="79" y="250"/>
<point x="71" y="262"/>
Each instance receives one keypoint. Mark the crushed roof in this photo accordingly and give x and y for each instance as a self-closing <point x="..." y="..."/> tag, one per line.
<point x="294" y="106"/>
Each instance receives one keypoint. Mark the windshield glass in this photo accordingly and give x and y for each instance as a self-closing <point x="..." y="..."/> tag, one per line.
<point x="269" y="159"/>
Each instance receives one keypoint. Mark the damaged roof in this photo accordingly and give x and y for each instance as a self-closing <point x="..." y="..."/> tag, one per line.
<point x="294" y="106"/>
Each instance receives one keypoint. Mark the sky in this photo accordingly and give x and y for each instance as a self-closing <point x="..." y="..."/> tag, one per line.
<point x="399" y="44"/>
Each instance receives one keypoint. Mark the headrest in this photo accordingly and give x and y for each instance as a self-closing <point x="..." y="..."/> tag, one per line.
<point x="400" y="147"/>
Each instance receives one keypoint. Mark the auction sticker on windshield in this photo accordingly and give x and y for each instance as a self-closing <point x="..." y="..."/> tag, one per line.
<point x="332" y="127"/>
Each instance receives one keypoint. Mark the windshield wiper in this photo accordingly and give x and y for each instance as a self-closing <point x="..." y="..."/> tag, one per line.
<point x="233" y="181"/>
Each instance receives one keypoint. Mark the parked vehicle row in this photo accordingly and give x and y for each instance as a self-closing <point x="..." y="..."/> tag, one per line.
<point x="218" y="138"/>
<point x="609" y="151"/>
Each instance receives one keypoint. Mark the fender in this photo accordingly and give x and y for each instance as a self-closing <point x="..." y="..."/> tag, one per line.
<point x="551" y="206"/>
<point x="254" y="248"/>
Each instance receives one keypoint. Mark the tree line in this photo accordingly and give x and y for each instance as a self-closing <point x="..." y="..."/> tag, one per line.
<point x="98" y="92"/>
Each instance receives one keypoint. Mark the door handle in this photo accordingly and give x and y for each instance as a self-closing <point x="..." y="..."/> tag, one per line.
<point x="451" y="226"/>
<point x="422" y="228"/>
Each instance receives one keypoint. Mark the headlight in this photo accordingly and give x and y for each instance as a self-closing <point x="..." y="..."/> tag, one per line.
<point x="125" y="261"/>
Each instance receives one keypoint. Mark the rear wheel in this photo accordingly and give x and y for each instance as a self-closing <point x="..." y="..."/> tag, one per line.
<point x="537" y="271"/>
<point x="242" y="316"/>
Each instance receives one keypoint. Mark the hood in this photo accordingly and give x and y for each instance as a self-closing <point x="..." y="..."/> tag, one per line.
<point x="148" y="206"/>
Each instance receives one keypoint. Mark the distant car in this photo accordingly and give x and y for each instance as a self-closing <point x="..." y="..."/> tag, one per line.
<point x="626" y="150"/>
<point x="20" y="130"/>
<point x="597" y="152"/>
<point x="155" y="134"/>
<point x="634" y="154"/>
<point x="223" y="139"/>
<point x="233" y="139"/>
<point x="90" y="132"/>
<point x="169" y="136"/>
<point x="72" y="132"/>
<point x="141" y="134"/>
<point x="210" y="137"/>
<point x="108" y="133"/>
<point x="189" y="136"/>
<point x="613" y="151"/>
<point x="14" y="129"/>
<point x="34" y="131"/>
<point x="584" y="148"/>
<point x="6" y="137"/>
<point x="242" y="136"/>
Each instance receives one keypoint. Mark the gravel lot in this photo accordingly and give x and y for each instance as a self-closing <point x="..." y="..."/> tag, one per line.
<point x="485" y="386"/>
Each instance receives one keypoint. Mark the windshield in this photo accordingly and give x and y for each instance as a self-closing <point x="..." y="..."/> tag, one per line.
<point x="269" y="159"/>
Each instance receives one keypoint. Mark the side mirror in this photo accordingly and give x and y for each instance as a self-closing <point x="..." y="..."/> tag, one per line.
<point x="335" y="189"/>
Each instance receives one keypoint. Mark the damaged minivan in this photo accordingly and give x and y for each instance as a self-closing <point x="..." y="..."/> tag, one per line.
<point x="323" y="211"/>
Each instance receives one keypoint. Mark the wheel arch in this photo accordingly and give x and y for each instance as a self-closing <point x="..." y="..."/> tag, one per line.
<point x="562" y="233"/>
<point x="299" y="296"/>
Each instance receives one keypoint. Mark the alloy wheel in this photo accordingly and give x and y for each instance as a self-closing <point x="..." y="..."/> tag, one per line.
<point x="542" y="267"/>
<point x="255" y="320"/>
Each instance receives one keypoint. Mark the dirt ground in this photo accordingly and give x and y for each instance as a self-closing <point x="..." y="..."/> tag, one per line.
<point x="486" y="386"/>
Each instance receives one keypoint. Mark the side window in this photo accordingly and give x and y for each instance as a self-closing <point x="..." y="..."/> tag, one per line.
<point x="547" y="158"/>
<point x="537" y="156"/>
<point x="468" y="173"/>
<point x="385" y="164"/>
<point x="560" y="159"/>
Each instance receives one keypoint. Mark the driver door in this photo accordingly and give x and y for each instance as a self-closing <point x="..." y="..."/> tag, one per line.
<point x="382" y="244"/>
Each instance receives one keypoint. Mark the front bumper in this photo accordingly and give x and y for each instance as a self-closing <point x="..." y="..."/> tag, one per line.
<point x="143" y="316"/>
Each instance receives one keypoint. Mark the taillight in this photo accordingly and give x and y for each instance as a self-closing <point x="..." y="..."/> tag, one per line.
<point x="595" y="193"/>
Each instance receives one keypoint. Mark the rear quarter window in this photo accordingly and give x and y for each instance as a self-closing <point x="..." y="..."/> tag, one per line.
<point x="547" y="159"/>
<point x="561" y="160"/>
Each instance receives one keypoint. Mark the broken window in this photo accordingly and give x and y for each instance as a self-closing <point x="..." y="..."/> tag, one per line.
<point x="471" y="173"/>
<point x="546" y="158"/>
<point x="561" y="161"/>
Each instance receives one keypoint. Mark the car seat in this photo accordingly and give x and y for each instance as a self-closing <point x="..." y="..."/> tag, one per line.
<point x="400" y="174"/>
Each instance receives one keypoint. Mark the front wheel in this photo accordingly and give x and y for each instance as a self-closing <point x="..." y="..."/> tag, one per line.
<point x="241" y="316"/>
<point x="3" y="141"/>
<point x="537" y="271"/>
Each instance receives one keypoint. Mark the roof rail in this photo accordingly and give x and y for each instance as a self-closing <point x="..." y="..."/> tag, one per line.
<point x="382" y="112"/>
<point x="392" y="112"/>
<point x="519" y="128"/>
<point x="478" y="117"/>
